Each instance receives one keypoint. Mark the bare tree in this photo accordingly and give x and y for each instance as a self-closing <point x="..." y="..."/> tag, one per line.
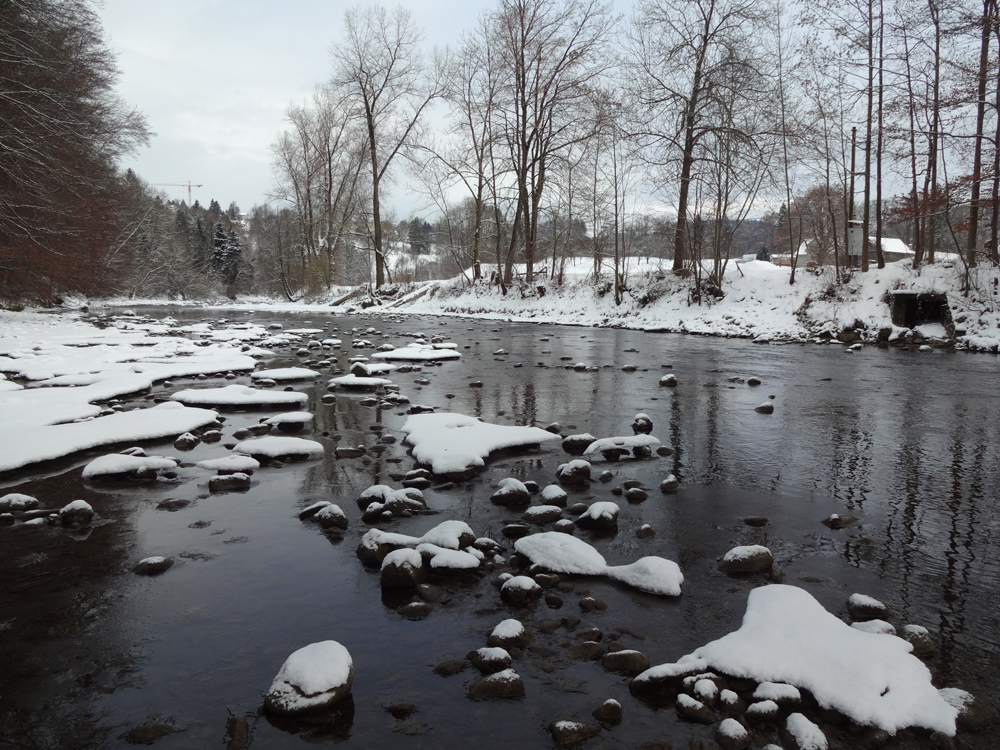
<point x="379" y="67"/>
<point x="683" y="63"/>
<point x="548" y="54"/>
<point x="318" y="164"/>
<point x="62" y="130"/>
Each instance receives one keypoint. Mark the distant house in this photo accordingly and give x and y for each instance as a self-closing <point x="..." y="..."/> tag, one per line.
<point x="893" y="250"/>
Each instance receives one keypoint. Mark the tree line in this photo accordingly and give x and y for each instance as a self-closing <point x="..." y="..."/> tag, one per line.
<point x="556" y="129"/>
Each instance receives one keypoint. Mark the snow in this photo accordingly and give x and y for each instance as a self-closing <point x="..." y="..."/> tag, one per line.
<point x="777" y="692"/>
<point x="116" y="463"/>
<point x="75" y="505"/>
<point x="541" y="510"/>
<point x="807" y="735"/>
<point x="683" y="699"/>
<point x="238" y="395"/>
<point x="654" y="575"/>
<point x="404" y="556"/>
<point x="562" y="553"/>
<point x="17" y="501"/>
<point x="353" y="381"/>
<point x="630" y="441"/>
<point x="745" y="552"/>
<point x="290" y="417"/>
<point x="732" y="729"/>
<point x="508" y="629"/>
<point x="875" y="626"/>
<point x="788" y="637"/>
<point x="446" y="535"/>
<point x="285" y="373"/>
<point x="863" y="600"/>
<point x="43" y="442"/>
<point x="511" y="486"/>
<point x="275" y="447"/>
<point x="454" y="443"/>
<point x="553" y="492"/>
<point x="310" y="674"/>
<point x="230" y="463"/>
<point x="958" y="699"/>
<point x="448" y="558"/>
<point x="524" y="583"/>
<point x="419" y="353"/>
<point x="602" y="509"/>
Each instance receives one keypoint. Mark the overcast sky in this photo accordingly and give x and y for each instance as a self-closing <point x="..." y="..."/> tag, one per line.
<point x="214" y="78"/>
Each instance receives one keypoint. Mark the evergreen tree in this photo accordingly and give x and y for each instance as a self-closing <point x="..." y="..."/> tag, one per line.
<point x="214" y="207"/>
<point x="220" y="248"/>
<point x="233" y="212"/>
<point x="234" y="257"/>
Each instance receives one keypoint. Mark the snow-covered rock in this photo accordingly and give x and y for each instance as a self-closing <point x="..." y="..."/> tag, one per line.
<point x="616" y="448"/>
<point x="16" y="501"/>
<point x="43" y="442"/>
<point x="574" y="472"/>
<point x="753" y="558"/>
<point x="280" y="447"/>
<point x="290" y="421"/>
<point x="152" y="566"/>
<point x="448" y="535"/>
<point x="801" y="734"/>
<point x="316" y="676"/>
<point x="562" y="553"/>
<point x="511" y="492"/>
<point x="230" y="464"/>
<point x="456" y="444"/>
<point x="788" y="637"/>
<point x="356" y="382"/>
<point x="237" y="395"/>
<point x="602" y="515"/>
<point x="419" y="353"/>
<point x="117" y="464"/>
<point x="76" y="513"/>
<point x="283" y="374"/>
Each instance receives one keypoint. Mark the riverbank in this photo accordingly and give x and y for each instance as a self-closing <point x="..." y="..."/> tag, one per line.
<point x="756" y="302"/>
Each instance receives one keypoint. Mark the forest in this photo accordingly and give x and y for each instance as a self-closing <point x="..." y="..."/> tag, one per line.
<point x="688" y="131"/>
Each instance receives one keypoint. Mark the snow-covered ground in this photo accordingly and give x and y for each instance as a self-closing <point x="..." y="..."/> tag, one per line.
<point x="758" y="301"/>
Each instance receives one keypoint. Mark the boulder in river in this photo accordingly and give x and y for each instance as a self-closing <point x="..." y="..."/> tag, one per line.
<point x="314" y="677"/>
<point x="752" y="558"/>
<point x="570" y="733"/>
<point x="77" y="513"/>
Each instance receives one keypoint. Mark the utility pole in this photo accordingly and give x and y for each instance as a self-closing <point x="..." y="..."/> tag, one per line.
<point x="187" y="184"/>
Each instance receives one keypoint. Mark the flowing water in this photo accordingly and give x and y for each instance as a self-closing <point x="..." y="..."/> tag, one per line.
<point x="905" y="441"/>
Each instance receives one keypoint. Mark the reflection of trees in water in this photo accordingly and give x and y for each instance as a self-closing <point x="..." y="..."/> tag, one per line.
<point x="64" y="630"/>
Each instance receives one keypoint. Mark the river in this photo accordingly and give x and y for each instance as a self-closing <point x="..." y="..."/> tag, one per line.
<point x="906" y="441"/>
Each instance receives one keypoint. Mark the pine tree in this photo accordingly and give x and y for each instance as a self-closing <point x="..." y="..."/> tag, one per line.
<point x="220" y="248"/>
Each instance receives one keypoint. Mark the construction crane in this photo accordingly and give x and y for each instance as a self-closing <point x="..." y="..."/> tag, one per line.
<point x="187" y="184"/>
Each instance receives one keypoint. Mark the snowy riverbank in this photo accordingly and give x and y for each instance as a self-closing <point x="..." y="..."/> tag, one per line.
<point x="757" y="303"/>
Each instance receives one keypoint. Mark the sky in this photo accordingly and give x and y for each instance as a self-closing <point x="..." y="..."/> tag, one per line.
<point x="214" y="78"/>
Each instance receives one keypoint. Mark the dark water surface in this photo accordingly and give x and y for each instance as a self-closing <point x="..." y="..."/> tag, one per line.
<point x="907" y="442"/>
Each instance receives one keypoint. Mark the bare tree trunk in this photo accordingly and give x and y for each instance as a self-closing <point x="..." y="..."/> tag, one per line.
<point x="988" y="19"/>
<point x="879" y="255"/>
<point x="870" y="91"/>
<point x="995" y="193"/>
